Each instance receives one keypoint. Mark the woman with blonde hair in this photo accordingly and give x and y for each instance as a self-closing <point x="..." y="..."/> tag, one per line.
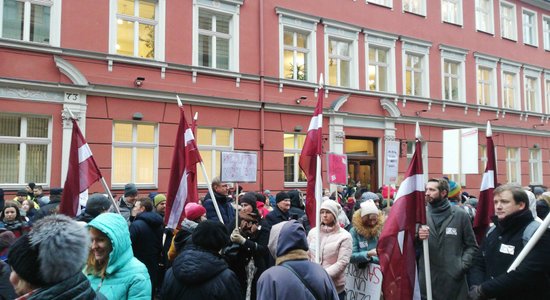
<point x="367" y="225"/>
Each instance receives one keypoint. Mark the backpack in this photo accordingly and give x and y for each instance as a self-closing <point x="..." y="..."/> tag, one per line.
<point x="527" y="232"/>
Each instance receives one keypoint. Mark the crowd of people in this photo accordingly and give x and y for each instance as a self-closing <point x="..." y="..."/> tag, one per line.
<point x="263" y="247"/>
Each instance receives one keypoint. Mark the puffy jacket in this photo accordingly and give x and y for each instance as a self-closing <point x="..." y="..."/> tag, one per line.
<point x="126" y="277"/>
<point x="200" y="274"/>
<point x="364" y="238"/>
<point x="76" y="287"/>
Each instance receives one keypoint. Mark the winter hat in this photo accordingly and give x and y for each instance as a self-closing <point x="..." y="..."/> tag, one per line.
<point x="6" y="240"/>
<point x="210" y="235"/>
<point x="538" y="191"/>
<point x="332" y="206"/>
<point x="454" y="189"/>
<point x="281" y="196"/>
<point x="364" y="197"/>
<point x="56" y="191"/>
<point x="97" y="203"/>
<point x="368" y="207"/>
<point x="193" y="211"/>
<point x="32" y="185"/>
<point x="158" y="199"/>
<point x="152" y="195"/>
<point x="54" y="250"/>
<point x="130" y="190"/>
<point x="250" y="199"/>
<point x="22" y="192"/>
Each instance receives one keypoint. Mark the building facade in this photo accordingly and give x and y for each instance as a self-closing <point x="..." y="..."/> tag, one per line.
<point x="250" y="69"/>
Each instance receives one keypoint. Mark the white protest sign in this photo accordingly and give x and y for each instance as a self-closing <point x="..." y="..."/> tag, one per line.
<point x="460" y="149"/>
<point x="239" y="166"/>
<point x="392" y="162"/>
<point x="363" y="283"/>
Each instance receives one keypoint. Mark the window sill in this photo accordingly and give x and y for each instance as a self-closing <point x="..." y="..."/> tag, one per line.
<point x="453" y="24"/>
<point x="415" y="14"/>
<point x="23" y="45"/>
<point x="486" y="32"/>
<point x="531" y="45"/>
<point x="509" y="39"/>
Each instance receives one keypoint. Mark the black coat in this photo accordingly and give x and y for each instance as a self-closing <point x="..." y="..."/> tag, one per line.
<point x="48" y="209"/>
<point x="531" y="278"/>
<point x="75" y="287"/>
<point x="199" y="274"/>
<point x="6" y="289"/>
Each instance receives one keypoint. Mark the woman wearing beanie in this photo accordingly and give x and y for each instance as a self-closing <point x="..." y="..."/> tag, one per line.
<point x="194" y="214"/>
<point x="111" y="267"/>
<point x="11" y="219"/>
<point x="367" y="225"/>
<point x="335" y="243"/>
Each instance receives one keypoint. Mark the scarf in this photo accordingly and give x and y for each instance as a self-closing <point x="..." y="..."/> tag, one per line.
<point x="439" y="211"/>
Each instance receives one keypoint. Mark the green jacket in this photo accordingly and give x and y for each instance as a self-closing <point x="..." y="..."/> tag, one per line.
<point x="127" y="277"/>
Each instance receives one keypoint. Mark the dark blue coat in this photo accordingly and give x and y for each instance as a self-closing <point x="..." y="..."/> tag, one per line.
<point x="226" y="210"/>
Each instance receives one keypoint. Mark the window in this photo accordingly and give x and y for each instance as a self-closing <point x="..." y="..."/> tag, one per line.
<point x="297" y="54"/>
<point x="486" y="80"/>
<point x="513" y="166"/>
<point x="380" y="59"/>
<point x="532" y="90"/>
<point x="25" y="149"/>
<point x="451" y="11"/>
<point x="510" y="85"/>
<point x="535" y="166"/>
<point x="342" y="52"/>
<point x="211" y="142"/>
<point x="135" y="154"/>
<point x="508" y="27"/>
<point x="530" y="28"/>
<point x="216" y="35"/>
<point x="293" y="143"/>
<point x="453" y="84"/>
<point x="484" y="16"/>
<point x="411" y="148"/>
<point x="546" y="32"/>
<point x="416" y="68"/>
<point x="36" y="21"/>
<point x="547" y="91"/>
<point x="137" y="28"/>
<point x="483" y="158"/>
<point x="415" y="6"/>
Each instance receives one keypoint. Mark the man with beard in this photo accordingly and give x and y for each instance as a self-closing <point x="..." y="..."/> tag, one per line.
<point x="452" y="244"/>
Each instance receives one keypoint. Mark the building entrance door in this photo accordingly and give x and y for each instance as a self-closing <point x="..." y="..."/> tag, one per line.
<point x="362" y="161"/>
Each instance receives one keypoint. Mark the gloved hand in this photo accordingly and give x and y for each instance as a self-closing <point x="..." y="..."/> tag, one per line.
<point x="476" y="293"/>
<point x="236" y="237"/>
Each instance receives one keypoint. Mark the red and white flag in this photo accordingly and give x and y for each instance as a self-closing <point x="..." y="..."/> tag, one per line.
<point x="182" y="187"/>
<point x="311" y="151"/>
<point x="485" y="208"/>
<point x="396" y="249"/>
<point x="81" y="174"/>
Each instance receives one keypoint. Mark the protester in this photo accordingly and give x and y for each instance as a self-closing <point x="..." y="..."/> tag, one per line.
<point x="11" y="219"/>
<point x="280" y="212"/>
<point x="28" y="211"/>
<point x="7" y="238"/>
<point x="38" y="193"/>
<point x="451" y="241"/>
<point x="47" y="262"/>
<point x="160" y="204"/>
<point x="367" y="226"/>
<point x="263" y="205"/>
<point x="294" y="276"/>
<point x="489" y="277"/>
<point x="52" y="207"/>
<point x="224" y="204"/>
<point x="30" y="189"/>
<point x="200" y="272"/>
<point x="194" y="214"/>
<point x="127" y="202"/>
<point x="270" y="197"/>
<point x="96" y="205"/>
<point x="22" y="196"/>
<point x="336" y="245"/>
<point x="111" y="267"/>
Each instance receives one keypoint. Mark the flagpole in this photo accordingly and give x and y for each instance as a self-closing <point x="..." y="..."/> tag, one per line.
<point x="531" y="243"/>
<point x="318" y="196"/>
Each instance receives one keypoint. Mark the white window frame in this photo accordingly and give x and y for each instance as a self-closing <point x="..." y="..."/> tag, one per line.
<point x="55" y="20"/>
<point x="512" y="19"/>
<point x="547" y="91"/>
<point x="226" y="7"/>
<point x="386" y="42"/>
<point x="23" y="141"/>
<point x="421" y="11"/>
<point x="296" y="151"/>
<point x="532" y="73"/>
<point x="421" y="49"/>
<point x="546" y="31"/>
<point x="508" y="67"/>
<point x="535" y="33"/>
<point x="386" y="3"/>
<point x="479" y="12"/>
<point x="487" y="62"/>
<point x="215" y="168"/>
<point x="535" y="162"/>
<point x="160" y="29"/>
<point x="347" y="34"/>
<point x="459" y="13"/>
<point x="424" y="156"/>
<point x="293" y="21"/>
<point x="134" y="145"/>
<point x="458" y="56"/>
<point x="513" y="160"/>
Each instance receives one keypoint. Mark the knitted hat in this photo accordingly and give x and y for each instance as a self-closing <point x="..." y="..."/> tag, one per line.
<point x="159" y="198"/>
<point x="281" y="196"/>
<point x="250" y="199"/>
<point x="368" y="207"/>
<point x="210" y="235"/>
<point x="332" y="206"/>
<point x="193" y="211"/>
<point x="454" y="189"/>
<point x="22" y="192"/>
<point x="97" y="203"/>
<point x="54" y="250"/>
<point x="130" y="190"/>
<point x="6" y="240"/>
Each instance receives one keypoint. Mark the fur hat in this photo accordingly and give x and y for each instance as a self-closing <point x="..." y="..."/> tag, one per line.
<point x="97" y="203"/>
<point x="454" y="190"/>
<point x="194" y="211"/>
<point x="210" y="235"/>
<point x="158" y="199"/>
<point x="130" y="190"/>
<point x="55" y="249"/>
<point x="368" y="207"/>
<point x="281" y="196"/>
<point x="333" y="207"/>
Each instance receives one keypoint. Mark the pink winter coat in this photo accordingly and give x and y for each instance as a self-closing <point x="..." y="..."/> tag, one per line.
<point x="336" y="246"/>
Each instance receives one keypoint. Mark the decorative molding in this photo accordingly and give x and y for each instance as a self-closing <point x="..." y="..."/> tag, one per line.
<point x="70" y="71"/>
<point x="390" y="106"/>
<point x="27" y="94"/>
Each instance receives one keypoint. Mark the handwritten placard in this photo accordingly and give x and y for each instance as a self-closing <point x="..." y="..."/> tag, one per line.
<point x="337" y="168"/>
<point x="363" y="284"/>
<point x="239" y="166"/>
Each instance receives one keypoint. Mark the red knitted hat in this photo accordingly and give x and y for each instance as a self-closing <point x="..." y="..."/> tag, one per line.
<point x="193" y="211"/>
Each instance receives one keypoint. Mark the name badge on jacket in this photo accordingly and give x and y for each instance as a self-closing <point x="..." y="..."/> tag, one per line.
<point x="507" y="249"/>
<point x="451" y="231"/>
<point x="363" y="244"/>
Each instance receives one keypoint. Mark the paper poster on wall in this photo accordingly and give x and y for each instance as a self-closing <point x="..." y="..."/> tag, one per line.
<point x="337" y="168"/>
<point x="239" y="166"/>
<point x="363" y="283"/>
<point x="460" y="151"/>
<point x="391" y="166"/>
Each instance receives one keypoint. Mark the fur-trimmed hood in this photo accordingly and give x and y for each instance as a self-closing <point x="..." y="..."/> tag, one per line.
<point x="368" y="232"/>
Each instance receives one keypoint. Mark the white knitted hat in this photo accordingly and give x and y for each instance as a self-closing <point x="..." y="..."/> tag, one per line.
<point x="368" y="207"/>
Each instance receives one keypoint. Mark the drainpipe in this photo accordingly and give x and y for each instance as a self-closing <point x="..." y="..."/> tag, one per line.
<point x="262" y="95"/>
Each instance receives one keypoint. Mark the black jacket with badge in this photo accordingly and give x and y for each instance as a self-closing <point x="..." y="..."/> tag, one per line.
<point x="500" y="248"/>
